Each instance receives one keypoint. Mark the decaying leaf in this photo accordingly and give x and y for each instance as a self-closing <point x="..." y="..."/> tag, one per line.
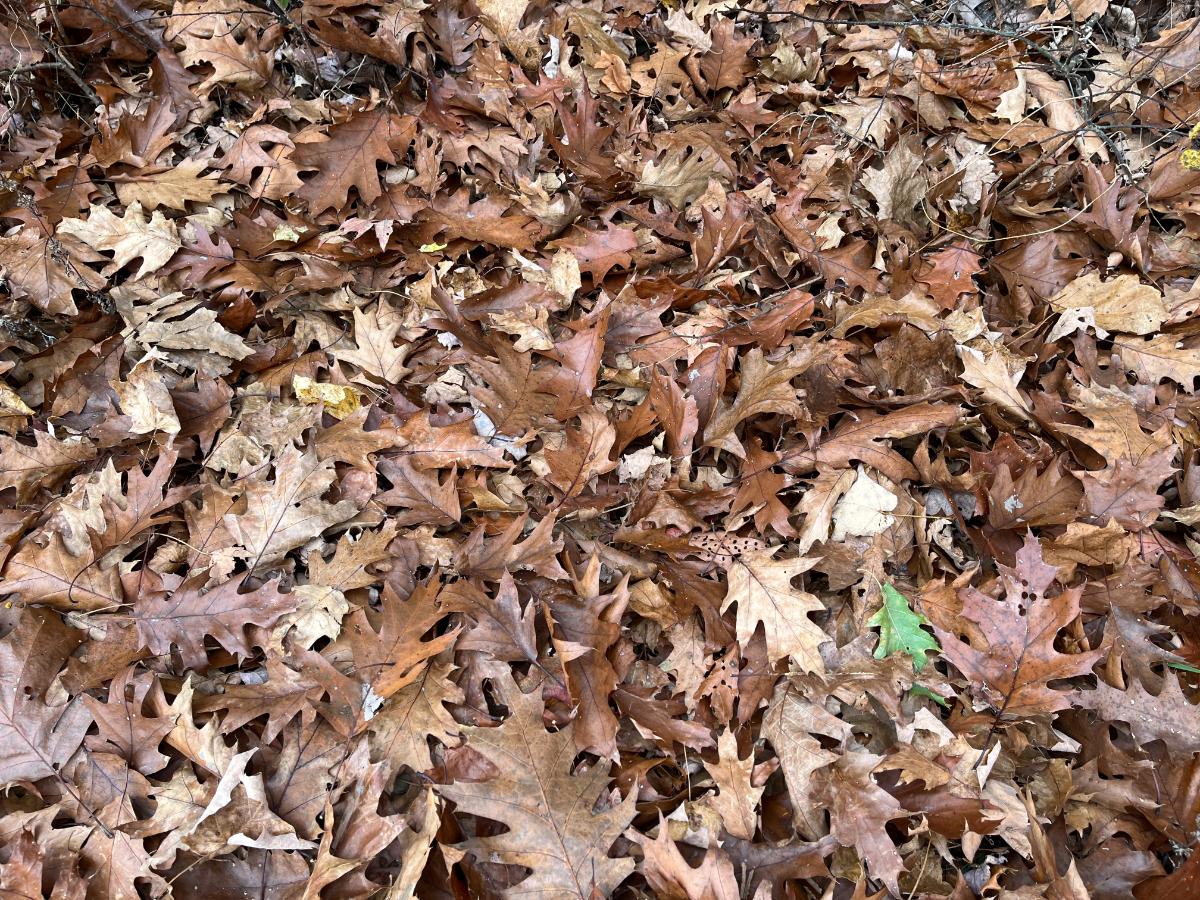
<point x="1009" y="650"/>
<point x="693" y="450"/>
<point x="550" y="811"/>
<point x="761" y="586"/>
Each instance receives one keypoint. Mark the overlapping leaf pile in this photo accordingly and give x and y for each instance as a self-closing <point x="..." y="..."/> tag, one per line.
<point x="695" y="450"/>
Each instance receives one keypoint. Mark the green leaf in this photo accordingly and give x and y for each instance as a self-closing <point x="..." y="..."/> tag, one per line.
<point x="919" y="690"/>
<point x="900" y="629"/>
<point x="1184" y="667"/>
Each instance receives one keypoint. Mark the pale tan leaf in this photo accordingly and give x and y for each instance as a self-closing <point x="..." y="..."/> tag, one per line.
<point x="174" y="188"/>
<point x="132" y="236"/>
<point x="737" y="799"/>
<point x="286" y="511"/>
<point x="997" y="375"/>
<point x="864" y="510"/>
<point x="1158" y="358"/>
<point x="145" y="399"/>
<point x="762" y="589"/>
<point x="374" y="348"/>
<point x="1121" y="304"/>
<point x="818" y="503"/>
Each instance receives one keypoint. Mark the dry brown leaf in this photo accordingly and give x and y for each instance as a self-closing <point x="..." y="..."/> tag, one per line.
<point x="130" y="236"/>
<point x="554" y="829"/>
<point x="173" y="188"/>
<point x="285" y="511"/>
<point x="761" y="586"/>
<point x="1121" y="304"/>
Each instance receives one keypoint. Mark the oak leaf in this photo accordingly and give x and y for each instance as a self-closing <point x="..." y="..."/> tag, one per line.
<point x="374" y="349"/>
<point x="1116" y="432"/>
<point x="190" y="613"/>
<point x="1009" y="654"/>
<point x="1112" y="206"/>
<point x="1048" y="497"/>
<point x="1129" y="640"/>
<point x="864" y="510"/>
<point x="287" y="511"/>
<point x="1158" y="358"/>
<point x="485" y="558"/>
<point x="679" y="178"/>
<point x="240" y="64"/>
<point x="426" y="499"/>
<point x="36" y="272"/>
<point x="547" y="808"/>
<point x="504" y="17"/>
<point x="583" y="455"/>
<point x="44" y="571"/>
<point x="284" y="695"/>
<point x="858" y="812"/>
<point x="764" y="388"/>
<point x="247" y="157"/>
<point x="439" y="447"/>
<point x="393" y="654"/>
<point x="900" y="629"/>
<point x="761" y="586"/>
<point x="353" y="561"/>
<point x="1122" y="304"/>
<point x="348" y="441"/>
<point x="131" y="236"/>
<point x="47" y="463"/>
<point x="758" y="493"/>
<point x="1127" y="490"/>
<point x="500" y="627"/>
<point x="737" y="798"/>
<point x="302" y="772"/>
<point x="997" y="375"/>
<point x="125" y="728"/>
<point x="145" y="400"/>
<point x="950" y="275"/>
<point x="672" y="878"/>
<point x="791" y="724"/>
<point x="899" y="185"/>
<point x="174" y="324"/>
<point x="862" y="439"/>
<point x="585" y="624"/>
<point x="400" y="731"/>
<point x="173" y="188"/>
<point x="727" y="63"/>
<point x="817" y="504"/>
<point x="1167" y="716"/>
<point x="346" y="157"/>
<point x="599" y="252"/>
<point x="36" y="736"/>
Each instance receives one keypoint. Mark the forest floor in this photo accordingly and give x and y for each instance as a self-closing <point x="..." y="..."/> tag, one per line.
<point x="688" y="450"/>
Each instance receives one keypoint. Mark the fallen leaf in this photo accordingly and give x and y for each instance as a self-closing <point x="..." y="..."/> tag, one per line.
<point x="761" y="586"/>
<point x="1009" y="653"/>
<point x="131" y="236"/>
<point x="544" y="804"/>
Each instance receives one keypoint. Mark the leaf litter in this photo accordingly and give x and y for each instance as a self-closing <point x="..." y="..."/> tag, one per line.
<point x="692" y="450"/>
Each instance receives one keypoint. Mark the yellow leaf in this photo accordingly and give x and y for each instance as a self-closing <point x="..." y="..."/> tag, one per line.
<point x="340" y="399"/>
<point x="11" y="404"/>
